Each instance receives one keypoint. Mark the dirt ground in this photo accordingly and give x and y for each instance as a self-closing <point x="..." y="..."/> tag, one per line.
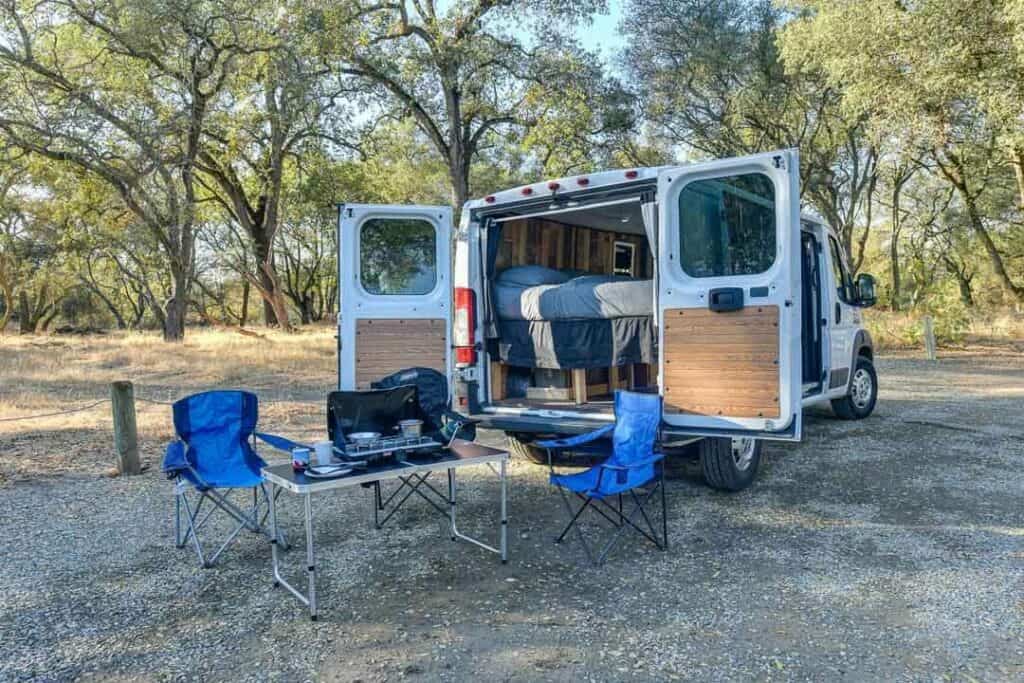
<point x="889" y="549"/>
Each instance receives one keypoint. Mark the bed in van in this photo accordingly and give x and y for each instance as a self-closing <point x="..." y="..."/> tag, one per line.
<point x="703" y="283"/>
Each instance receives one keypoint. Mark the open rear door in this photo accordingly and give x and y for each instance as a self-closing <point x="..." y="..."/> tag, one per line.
<point x="729" y="296"/>
<point x="394" y="283"/>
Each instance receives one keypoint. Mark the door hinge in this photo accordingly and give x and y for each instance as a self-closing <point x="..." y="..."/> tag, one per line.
<point x="778" y="162"/>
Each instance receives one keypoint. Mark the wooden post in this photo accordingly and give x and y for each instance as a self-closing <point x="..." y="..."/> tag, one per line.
<point x="126" y="442"/>
<point x="579" y="386"/>
<point x="929" y="338"/>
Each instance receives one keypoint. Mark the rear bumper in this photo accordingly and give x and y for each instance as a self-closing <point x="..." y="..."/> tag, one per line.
<point x="528" y="424"/>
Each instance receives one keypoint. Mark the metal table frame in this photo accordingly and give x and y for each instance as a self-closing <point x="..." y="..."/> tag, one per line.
<point x="412" y="475"/>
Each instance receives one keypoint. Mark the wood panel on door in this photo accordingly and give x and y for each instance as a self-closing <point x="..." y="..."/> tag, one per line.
<point x="722" y="364"/>
<point x="385" y="346"/>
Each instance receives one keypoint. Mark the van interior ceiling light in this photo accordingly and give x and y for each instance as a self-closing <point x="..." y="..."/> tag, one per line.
<point x="465" y="326"/>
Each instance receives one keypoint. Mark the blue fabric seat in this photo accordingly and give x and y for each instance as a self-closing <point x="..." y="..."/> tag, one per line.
<point x="213" y="456"/>
<point x="632" y="465"/>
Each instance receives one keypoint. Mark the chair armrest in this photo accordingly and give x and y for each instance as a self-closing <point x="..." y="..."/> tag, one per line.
<point x="175" y="460"/>
<point x="632" y="466"/>
<point x="280" y="443"/>
<point x="569" y="442"/>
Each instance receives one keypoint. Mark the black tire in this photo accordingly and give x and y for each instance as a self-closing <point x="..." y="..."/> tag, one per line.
<point x="523" y="446"/>
<point x="726" y="471"/>
<point x="857" y="404"/>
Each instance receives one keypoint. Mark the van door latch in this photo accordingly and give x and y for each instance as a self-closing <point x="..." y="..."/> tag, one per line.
<point x="724" y="299"/>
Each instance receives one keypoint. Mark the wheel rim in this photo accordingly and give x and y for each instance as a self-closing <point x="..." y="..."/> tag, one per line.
<point x="861" y="389"/>
<point x="743" y="452"/>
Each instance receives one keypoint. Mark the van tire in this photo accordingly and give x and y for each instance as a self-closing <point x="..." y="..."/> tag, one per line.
<point x="524" y="446"/>
<point x="851" y="407"/>
<point x="521" y="446"/>
<point x="729" y="469"/>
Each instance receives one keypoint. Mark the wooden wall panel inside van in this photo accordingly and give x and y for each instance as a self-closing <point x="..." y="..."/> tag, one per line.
<point x="535" y="241"/>
<point x="722" y="363"/>
<point x="385" y="346"/>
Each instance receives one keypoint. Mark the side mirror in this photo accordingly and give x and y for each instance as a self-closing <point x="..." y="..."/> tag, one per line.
<point x="866" y="296"/>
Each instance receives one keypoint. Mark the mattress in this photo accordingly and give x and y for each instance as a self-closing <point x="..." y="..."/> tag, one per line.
<point x="600" y="297"/>
<point x="575" y="344"/>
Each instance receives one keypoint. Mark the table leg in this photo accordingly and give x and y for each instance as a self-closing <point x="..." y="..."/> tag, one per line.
<point x="451" y="502"/>
<point x="504" y="516"/>
<point x="275" y="535"/>
<point x="310" y="560"/>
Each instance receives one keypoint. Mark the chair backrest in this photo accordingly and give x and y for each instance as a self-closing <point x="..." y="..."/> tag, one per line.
<point x="637" y="419"/>
<point x="431" y="386"/>
<point x="217" y="427"/>
<point x="370" y="411"/>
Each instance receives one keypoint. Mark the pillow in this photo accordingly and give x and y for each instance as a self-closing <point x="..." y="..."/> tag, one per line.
<point x="531" y="276"/>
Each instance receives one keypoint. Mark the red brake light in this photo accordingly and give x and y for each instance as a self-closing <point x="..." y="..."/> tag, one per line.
<point x="553" y="186"/>
<point x="465" y="326"/>
<point x="632" y="174"/>
<point x="583" y="181"/>
<point x="527" y="191"/>
<point x="490" y="199"/>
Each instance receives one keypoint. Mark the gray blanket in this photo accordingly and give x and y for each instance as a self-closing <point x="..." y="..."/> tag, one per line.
<point x="582" y="297"/>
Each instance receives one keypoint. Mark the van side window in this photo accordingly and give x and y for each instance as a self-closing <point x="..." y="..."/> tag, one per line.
<point x="397" y="256"/>
<point x="727" y="226"/>
<point x="844" y="283"/>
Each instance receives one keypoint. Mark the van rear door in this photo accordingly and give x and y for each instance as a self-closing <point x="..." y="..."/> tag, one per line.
<point x="729" y="296"/>
<point x="394" y="282"/>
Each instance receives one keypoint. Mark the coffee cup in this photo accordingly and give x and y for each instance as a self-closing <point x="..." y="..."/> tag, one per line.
<point x="323" y="449"/>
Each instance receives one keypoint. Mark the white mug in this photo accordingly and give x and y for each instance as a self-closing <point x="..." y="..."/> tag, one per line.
<point x="323" y="452"/>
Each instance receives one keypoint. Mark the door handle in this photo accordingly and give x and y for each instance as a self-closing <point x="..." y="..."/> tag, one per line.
<point x="839" y="313"/>
<point x="724" y="299"/>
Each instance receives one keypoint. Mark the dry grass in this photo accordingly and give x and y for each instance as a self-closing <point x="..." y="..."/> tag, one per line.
<point x="904" y="330"/>
<point x="46" y="374"/>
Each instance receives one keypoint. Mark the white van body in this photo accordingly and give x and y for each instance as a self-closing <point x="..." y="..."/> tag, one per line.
<point x="732" y="357"/>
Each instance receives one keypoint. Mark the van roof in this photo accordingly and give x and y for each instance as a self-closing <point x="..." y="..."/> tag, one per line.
<point x="576" y="183"/>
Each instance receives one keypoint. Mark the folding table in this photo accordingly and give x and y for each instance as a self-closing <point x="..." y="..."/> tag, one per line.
<point x="413" y="474"/>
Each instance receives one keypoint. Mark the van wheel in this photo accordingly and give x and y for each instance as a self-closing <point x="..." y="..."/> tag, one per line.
<point x="863" y="394"/>
<point x="524" y="446"/>
<point x="730" y="464"/>
<point x="521" y="446"/>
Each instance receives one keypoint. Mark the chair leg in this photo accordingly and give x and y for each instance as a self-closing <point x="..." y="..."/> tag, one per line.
<point x="572" y="523"/>
<point x="664" y="511"/>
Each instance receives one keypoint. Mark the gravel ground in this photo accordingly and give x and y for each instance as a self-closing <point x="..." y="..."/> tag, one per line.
<point x="885" y="549"/>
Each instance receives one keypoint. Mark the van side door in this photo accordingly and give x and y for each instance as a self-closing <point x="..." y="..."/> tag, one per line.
<point x="394" y="284"/>
<point x="729" y="294"/>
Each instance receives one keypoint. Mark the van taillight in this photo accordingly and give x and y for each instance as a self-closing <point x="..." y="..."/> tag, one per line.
<point x="465" y="326"/>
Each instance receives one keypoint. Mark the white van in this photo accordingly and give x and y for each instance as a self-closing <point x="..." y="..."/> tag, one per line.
<point x="701" y="282"/>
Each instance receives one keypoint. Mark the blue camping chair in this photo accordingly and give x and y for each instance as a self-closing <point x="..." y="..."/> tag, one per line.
<point x="213" y="457"/>
<point x="632" y="467"/>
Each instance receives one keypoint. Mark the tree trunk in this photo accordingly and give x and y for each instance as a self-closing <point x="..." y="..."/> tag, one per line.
<point x="894" y="245"/>
<point x="26" y="324"/>
<point x="952" y="169"/>
<point x="8" y="295"/>
<point x="1017" y="161"/>
<point x="176" y="307"/>
<point x="245" y="304"/>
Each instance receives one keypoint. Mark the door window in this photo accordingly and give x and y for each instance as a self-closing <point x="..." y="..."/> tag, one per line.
<point x="727" y="226"/>
<point x="398" y="256"/>
<point x="844" y="283"/>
